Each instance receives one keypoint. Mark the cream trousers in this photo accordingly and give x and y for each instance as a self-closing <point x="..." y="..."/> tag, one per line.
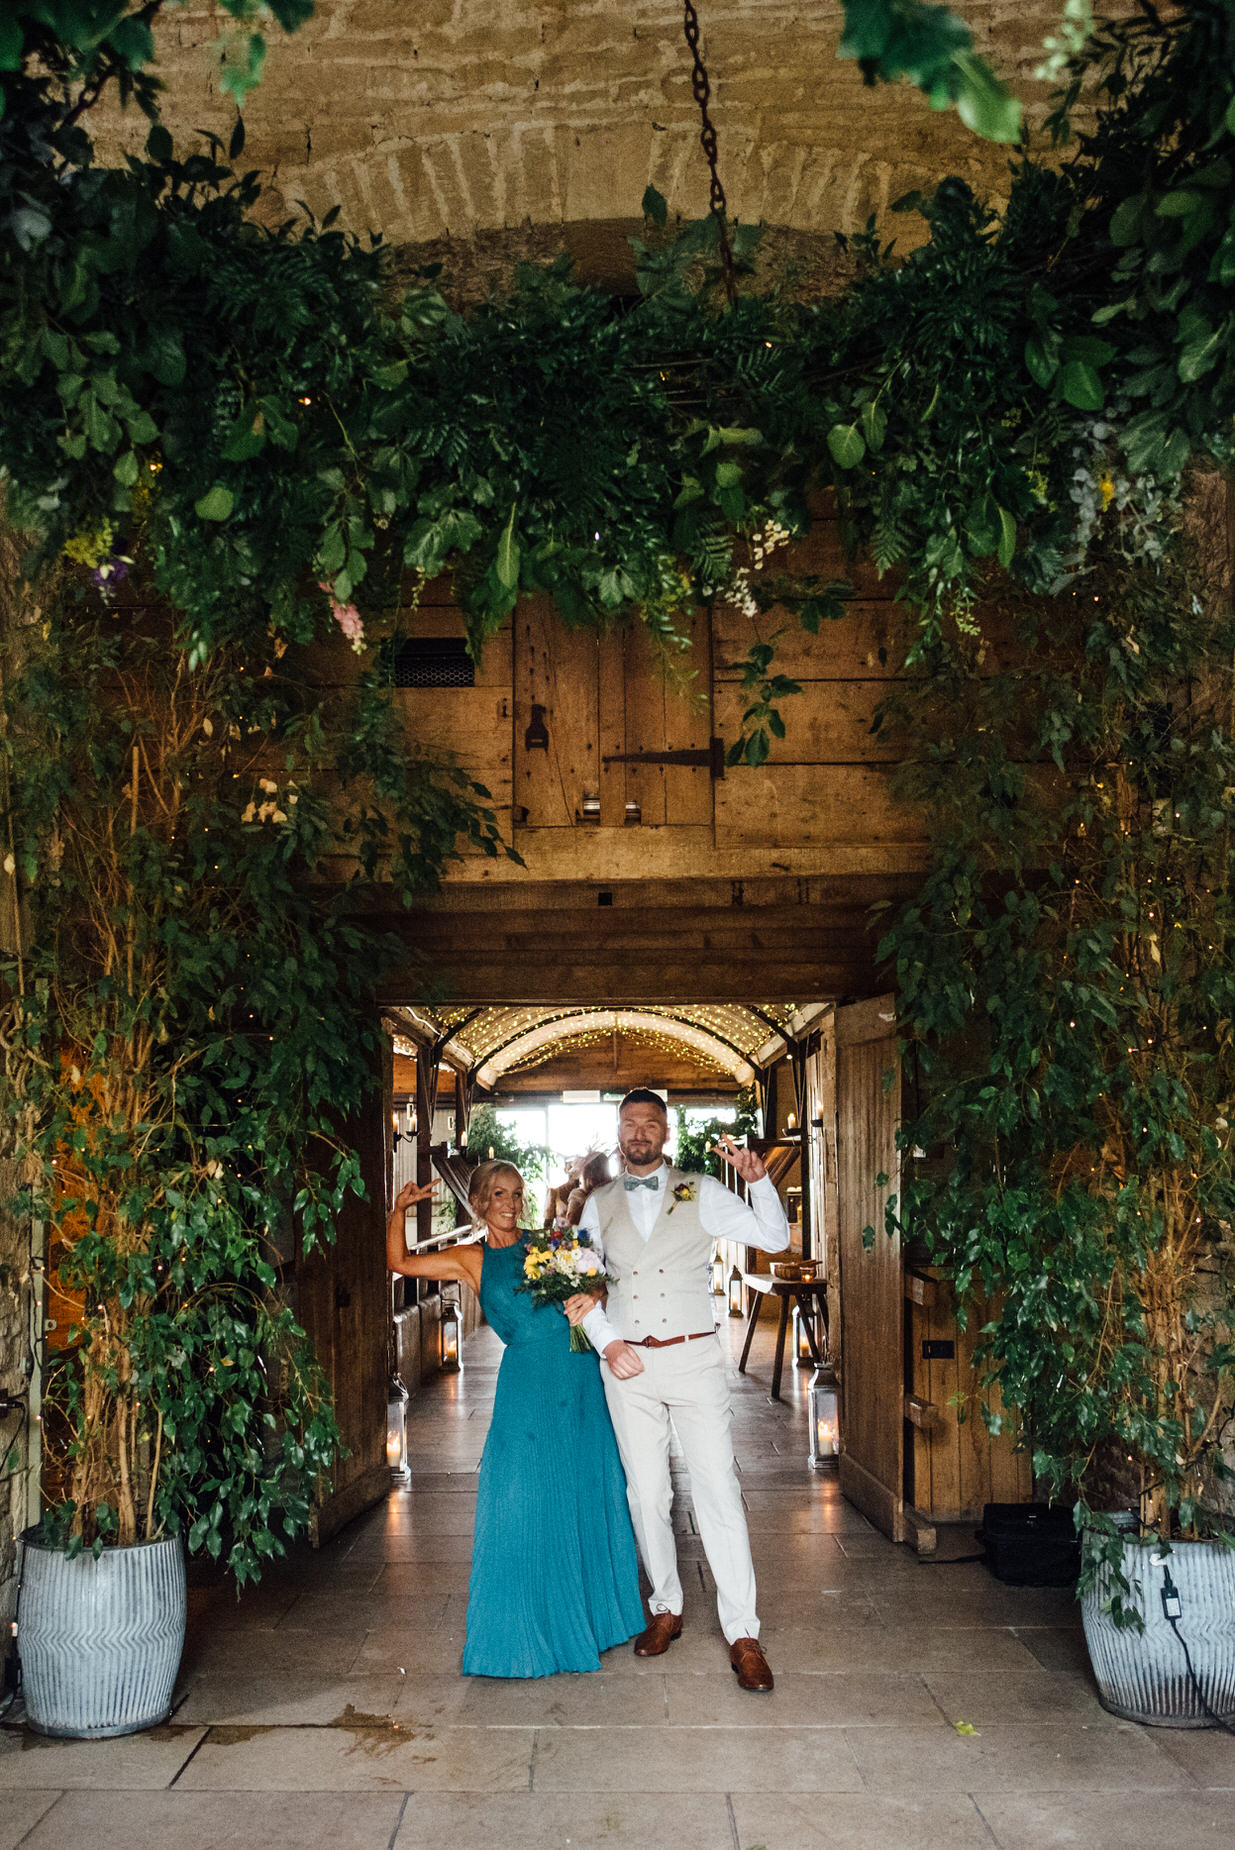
<point x="685" y="1385"/>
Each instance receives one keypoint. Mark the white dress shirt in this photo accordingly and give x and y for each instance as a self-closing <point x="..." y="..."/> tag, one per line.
<point x="723" y="1216"/>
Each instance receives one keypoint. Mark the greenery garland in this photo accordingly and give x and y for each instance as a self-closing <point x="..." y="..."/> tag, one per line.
<point x="1065" y="985"/>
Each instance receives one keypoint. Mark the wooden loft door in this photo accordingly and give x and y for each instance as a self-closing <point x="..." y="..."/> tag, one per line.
<point x="871" y="1282"/>
<point x="607" y="736"/>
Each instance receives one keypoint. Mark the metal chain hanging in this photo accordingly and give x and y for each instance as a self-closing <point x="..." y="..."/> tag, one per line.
<point x="707" y="139"/>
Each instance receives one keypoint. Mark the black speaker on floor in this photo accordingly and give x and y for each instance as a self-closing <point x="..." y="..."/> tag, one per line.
<point x="1030" y="1544"/>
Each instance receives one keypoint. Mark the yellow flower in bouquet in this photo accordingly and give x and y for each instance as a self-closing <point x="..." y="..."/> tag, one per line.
<point x="559" y="1263"/>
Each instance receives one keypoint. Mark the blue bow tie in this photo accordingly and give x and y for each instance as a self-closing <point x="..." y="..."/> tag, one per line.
<point x="631" y="1183"/>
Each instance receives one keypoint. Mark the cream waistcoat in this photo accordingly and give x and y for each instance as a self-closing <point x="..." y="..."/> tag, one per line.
<point x="659" y="1286"/>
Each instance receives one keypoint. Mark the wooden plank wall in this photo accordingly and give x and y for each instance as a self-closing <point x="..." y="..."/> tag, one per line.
<point x="599" y="697"/>
<point x="871" y="1286"/>
<point x="957" y="1466"/>
<point x="828" y="781"/>
<point x="342" y="1301"/>
<point x="471" y="727"/>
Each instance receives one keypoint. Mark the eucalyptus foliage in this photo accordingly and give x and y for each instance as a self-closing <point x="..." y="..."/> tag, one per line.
<point x="1065" y="981"/>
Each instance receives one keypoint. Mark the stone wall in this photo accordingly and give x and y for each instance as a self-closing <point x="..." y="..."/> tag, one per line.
<point x="429" y="119"/>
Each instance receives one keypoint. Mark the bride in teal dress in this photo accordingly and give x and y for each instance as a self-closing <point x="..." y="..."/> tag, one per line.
<point x="555" y="1577"/>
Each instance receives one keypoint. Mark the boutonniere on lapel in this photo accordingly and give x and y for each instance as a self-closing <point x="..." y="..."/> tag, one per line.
<point x="685" y="1191"/>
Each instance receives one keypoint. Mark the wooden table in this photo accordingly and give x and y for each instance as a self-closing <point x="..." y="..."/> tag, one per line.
<point x="807" y="1293"/>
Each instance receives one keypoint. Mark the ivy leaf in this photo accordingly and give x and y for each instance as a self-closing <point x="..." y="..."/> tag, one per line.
<point x="506" y="563"/>
<point x="1126" y="220"/>
<point x="126" y="469"/>
<point x="216" y="504"/>
<point x="982" y="102"/>
<point x="655" y="206"/>
<point x="1081" y="386"/>
<point x="1042" y="356"/>
<point x="846" y="444"/>
<point x="1007" y="536"/>
<point x="874" y="425"/>
<point x="1202" y="351"/>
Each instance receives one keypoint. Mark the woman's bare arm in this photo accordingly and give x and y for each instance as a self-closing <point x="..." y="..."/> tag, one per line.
<point x="454" y="1265"/>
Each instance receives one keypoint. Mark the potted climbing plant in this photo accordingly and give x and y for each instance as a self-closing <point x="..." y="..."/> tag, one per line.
<point x="1066" y="986"/>
<point x="183" y="1028"/>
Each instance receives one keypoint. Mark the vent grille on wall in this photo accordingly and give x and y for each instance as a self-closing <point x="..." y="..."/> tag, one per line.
<point x="434" y="661"/>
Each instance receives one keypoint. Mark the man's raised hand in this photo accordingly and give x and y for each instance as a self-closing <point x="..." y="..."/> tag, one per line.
<point x="749" y="1166"/>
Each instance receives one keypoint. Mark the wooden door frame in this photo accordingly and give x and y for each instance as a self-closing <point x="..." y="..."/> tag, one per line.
<point x="861" y="1024"/>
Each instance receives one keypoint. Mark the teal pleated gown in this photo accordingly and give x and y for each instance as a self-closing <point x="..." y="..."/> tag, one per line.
<point x="555" y="1575"/>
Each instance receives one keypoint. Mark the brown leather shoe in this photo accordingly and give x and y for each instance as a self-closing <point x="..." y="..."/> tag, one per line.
<point x="660" y="1634"/>
<point x="749" y="1664"/>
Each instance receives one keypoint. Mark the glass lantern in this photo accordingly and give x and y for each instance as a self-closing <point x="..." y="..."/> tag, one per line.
<point x="735" y="1293"/>
<point x="803" y="1330"/>
<point x="824" y="1419"/>
<point x="449" y="1333"/>
<point x="718" y="1274"/>
<point x="396" y="1432"/>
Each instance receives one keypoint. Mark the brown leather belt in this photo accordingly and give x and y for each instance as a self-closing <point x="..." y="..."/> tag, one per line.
<point x="667" y="1342"/>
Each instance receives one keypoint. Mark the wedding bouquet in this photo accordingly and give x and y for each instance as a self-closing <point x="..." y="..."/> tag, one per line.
<point x="560" y="1262"/>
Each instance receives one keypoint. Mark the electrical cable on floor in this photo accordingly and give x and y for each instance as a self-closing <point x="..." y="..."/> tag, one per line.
<point x="1170" y="1598"/>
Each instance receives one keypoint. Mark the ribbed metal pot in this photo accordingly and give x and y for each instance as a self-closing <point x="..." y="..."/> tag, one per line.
<point x="1143" y="1676"/>
<point x="100" y="1640"/>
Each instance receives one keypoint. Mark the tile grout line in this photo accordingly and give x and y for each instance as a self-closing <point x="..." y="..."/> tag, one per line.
<point x="733" y="1823"/>
<point x="187" y="1761"/>
<point x="531" y="1765"/>
<point x="41" y="1819"/>
<point x="390" y="1841"/>
<point x="986" y="1824"/>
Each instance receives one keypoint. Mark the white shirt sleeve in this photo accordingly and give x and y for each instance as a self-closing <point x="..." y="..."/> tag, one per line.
<point x="600" y="1332"/>
<point x="763" y="1224"/>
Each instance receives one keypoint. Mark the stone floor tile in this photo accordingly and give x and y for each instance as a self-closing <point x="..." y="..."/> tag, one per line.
<point x="272" y="1699"/>
<point x="585" y="1820"/>
<point x="857" y="1821"/>
<point x="1106" y="1820"/>
<point x="289" y="1654"/>
<point x="1208" y="1754"/>
<point x="350" y="1612"/>
<point x="181" y="1820"/>
<point x="832" y="1699"/>
<point x="1070" y="1756"/>
<point x="663" y="1759"/>
<point x="361" y="1759"/>
<point x="849" y="1645"/>
<point x="600" y="1699"/>
<point x="419" y="1651"/>
<point x="1057" y="1647"/>
<point x="140" y="1762"/>
<point x="20" y="1812"/>
<point x="984" y="1697"/>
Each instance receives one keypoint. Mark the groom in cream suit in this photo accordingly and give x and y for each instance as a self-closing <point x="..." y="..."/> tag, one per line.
<point x="662" y="1362"/>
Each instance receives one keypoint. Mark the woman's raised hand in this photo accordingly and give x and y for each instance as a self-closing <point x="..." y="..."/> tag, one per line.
<point x="412" y="1192"/>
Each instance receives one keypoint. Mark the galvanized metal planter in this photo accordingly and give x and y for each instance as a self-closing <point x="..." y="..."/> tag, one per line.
<point x="1143" y="1676"/>
<point x="100" y="1640"/>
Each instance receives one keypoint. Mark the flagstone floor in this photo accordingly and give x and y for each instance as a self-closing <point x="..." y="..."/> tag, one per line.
<point x="916" y="1707"/>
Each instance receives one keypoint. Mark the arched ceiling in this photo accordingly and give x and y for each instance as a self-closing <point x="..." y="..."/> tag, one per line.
<point x="492" y="1043"/>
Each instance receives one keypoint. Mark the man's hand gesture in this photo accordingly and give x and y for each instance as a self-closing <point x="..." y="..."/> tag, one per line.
<point x="750" y="1167"/>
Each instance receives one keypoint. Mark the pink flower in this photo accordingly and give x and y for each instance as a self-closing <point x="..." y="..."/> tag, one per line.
<point x="347" y="617"/>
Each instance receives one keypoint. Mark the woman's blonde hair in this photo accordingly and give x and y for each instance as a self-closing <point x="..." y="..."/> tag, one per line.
<point x="480" y="1188"/>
